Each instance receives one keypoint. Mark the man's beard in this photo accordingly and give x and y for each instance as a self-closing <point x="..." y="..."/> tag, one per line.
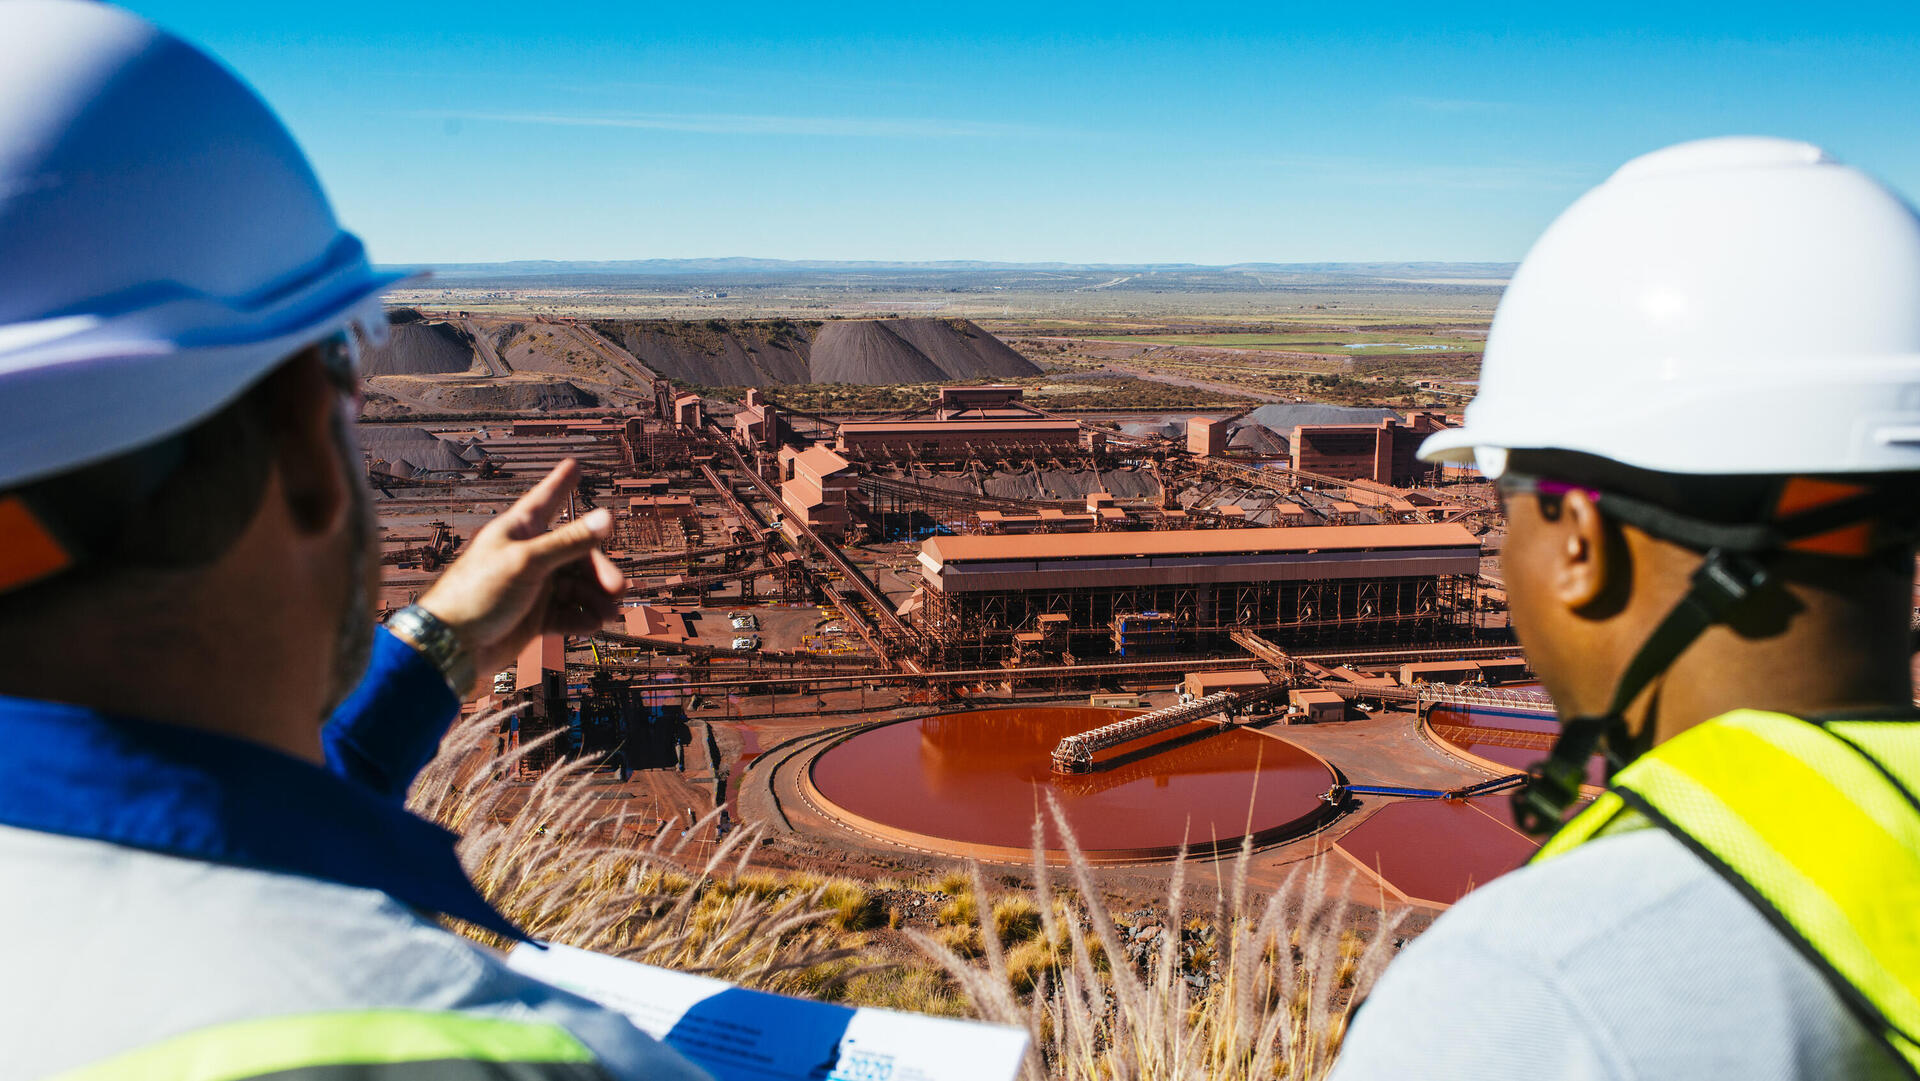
<point x="353" y="635"/>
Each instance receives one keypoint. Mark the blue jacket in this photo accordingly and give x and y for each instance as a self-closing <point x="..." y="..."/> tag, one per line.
<point x="186" y="905"/>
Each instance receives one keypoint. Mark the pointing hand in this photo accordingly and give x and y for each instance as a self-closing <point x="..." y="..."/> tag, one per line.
<point x="517" y="579"/>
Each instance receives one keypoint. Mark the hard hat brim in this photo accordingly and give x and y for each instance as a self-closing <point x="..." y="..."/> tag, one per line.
<point x="1465" y="446"/>
<point x="1449" y="445"/>
<point x="123" y="383"/>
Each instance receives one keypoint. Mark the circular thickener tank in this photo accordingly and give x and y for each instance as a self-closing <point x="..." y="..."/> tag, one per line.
<point x="973" y="783"/>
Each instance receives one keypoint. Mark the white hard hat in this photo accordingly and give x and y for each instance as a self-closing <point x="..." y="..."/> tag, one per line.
<point x="1728" y="306"/>
<point x="163" y="242"/>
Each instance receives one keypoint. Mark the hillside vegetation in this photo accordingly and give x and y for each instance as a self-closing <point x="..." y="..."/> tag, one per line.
<point x="1250" y="985"/>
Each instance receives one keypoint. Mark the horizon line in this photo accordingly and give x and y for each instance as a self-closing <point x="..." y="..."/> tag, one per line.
<point x="739" y="261"/>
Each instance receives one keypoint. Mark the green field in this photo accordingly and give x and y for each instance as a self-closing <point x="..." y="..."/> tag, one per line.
<point x="1330" y="343"/>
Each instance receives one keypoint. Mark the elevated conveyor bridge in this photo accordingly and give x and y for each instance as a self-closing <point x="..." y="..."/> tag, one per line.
<point x="1074" y="754"/>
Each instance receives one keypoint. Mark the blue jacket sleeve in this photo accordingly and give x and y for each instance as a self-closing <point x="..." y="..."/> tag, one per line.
<point x="390" y="726"/>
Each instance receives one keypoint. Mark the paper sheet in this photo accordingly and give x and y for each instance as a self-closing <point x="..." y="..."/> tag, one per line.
<point x="741" y="1035"/>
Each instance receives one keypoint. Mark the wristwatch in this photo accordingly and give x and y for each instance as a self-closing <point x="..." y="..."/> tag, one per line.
<point x="436" y="641"/>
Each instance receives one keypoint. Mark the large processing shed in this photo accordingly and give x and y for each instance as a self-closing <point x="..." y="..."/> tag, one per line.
<point x="1309" y="586"/>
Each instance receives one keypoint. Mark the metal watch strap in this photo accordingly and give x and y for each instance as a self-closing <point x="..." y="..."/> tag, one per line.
<point x="438" y="644"/>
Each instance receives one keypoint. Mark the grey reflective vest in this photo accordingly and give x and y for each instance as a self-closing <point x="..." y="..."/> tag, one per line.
<point x="123" y="963"/>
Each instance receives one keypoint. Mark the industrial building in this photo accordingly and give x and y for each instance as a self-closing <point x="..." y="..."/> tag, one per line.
<point x="815" y="485"/>
<point x="759" y="424"/>
<point x="1181" y="590"/>
<point x="1382" y="452"/>
<point x="689" y="412"/>
<point x="981" y="402"/>
<point x="943" y="438"/>
<point x="1207" y="436"/>
<point x="962" y="422"/>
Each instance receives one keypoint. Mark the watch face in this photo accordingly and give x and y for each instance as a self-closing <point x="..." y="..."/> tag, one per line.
<point x="437" y="642"/>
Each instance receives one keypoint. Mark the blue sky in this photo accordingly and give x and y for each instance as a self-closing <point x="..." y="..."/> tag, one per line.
<point x="1111" y="133"/>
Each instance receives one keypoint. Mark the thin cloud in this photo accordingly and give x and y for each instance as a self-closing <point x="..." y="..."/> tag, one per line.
<point x="1458" y="105"/>
<point x="1496" y="176"/>
<point x="736" y="124"/>
<point x="1484" y="176"/>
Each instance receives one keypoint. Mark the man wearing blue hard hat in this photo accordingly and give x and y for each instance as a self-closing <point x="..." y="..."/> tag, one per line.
<point x="1700" y="405"/>
<point x="208" y="872"/>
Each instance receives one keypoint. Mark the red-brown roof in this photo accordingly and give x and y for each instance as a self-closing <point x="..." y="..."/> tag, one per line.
<point x="1245" y="677"/>
<point x="822" y="462"/>
<point x="1197" y="542"/>
<point x="800" y="493"/>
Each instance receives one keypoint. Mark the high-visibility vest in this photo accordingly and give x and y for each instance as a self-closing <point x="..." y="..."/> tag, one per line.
<point x="1817" y="824"/>
<point x="368" y="1045"/>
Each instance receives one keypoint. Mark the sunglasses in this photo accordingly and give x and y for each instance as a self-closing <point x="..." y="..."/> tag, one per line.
<point x="1547" y="491"/>
<point x="340" y="357"/>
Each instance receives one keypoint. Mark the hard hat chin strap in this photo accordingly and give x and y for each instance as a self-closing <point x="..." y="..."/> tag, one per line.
<point x="1848" y="518"/>
<point x="1724" y="582"/>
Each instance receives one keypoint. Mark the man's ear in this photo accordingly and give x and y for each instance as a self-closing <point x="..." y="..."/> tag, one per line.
<point x="305" y="407"/>
<point x="1582" y="563"/>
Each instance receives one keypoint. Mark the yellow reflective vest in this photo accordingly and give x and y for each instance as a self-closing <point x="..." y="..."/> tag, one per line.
<point x="1817" y="824"/>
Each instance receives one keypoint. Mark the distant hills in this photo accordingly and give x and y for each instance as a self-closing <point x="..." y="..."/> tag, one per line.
<point x="769" y="352"/>
<point x="745" y="267"/>
<point x="455" y="364"/>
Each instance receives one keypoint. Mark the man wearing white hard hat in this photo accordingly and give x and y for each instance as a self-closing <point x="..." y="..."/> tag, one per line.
<point x="1701" y="406"/>
<point x="201" y="878"/>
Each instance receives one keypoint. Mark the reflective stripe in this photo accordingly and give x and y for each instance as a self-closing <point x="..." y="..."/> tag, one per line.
<point x="1891" y="746"/>
<point x="360" y="1037"/>
<point x="1818" y="835"/>
<point x="1583" y="826"/>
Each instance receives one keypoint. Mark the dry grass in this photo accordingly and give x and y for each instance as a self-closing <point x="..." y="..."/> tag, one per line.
<point x="552" y="859"/>
<point x="1260" y="986"/>
<point x="1279" y="974"/>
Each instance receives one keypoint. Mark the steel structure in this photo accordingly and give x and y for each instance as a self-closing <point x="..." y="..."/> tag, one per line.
<point x="1302" y="587"/>
<point x="791" y="583"/>
<point x="1509" y="699"/>
<point x="1074" y="754"/>
<point x="972" y="625"/>
<point x="1279" y="658"/>
<point x="429" y="553"/>
<point x="881" y="677"/>
<point x="656" y="444"/>
<point x="896" y="494"/>
<point x="878" y="625"/>
<point x="1279" y="477"/>
<point x="690" y="557"/>
<point x="881" y="441"/>
<point x="725" y="491"/>
<point x="1337" y="795"/>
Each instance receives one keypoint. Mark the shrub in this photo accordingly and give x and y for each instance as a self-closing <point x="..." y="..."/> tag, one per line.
<point x="1015" y="920"/>
<point x="960" y="910"/>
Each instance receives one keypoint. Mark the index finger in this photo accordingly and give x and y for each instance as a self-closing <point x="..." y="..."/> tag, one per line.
<point x="533" y="512"/>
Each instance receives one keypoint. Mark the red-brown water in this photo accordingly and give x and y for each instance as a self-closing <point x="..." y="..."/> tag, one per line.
<point x="979" y="779"/>
<point x="1437" y="850"/>
<point x="1498" y="725"/>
